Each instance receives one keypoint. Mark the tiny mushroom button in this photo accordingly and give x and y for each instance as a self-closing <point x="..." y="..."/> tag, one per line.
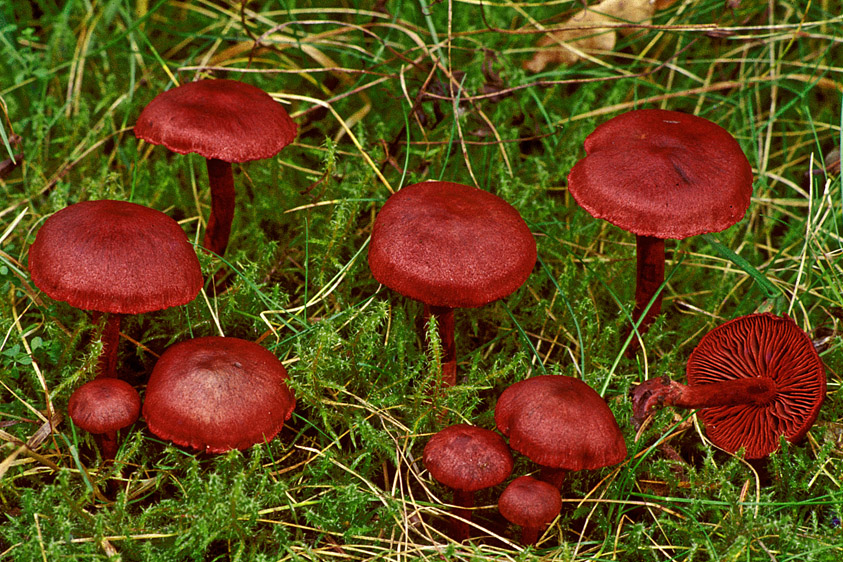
<point x="661" y="174"/>
<point x="102" y="407"/>
<point x="225" y="121"/>
<point x="531" y="504"/>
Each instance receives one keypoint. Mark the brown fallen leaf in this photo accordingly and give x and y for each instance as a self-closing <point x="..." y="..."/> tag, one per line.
<point x="582" y="31"/>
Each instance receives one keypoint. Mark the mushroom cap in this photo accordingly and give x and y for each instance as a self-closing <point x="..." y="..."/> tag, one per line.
<point x="468" y="458"/>
<point x="450" y="245"/>
<point x="760" y="345"/>
<point x="216" y="394"/>
<point x="664" y="174"/>
<point x="530" y="503"/>
<point x="114" y="256"/>
<point x="223" y="119"/>
<point x="103" y="405"/>
<point x="560" y="422"/>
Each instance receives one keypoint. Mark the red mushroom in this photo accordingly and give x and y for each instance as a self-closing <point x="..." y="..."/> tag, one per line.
<point x="215" y="394"/>
<point x="661" y="174"/>
<point x="756" y="378"/>
<point x="531" y="504"/>
<point x="467" y="458"/>
<point x="450" y="246"/>
<point x="560" y="423"/>
<point x="114" y="257"/>
<point x="225" y="121"/>
<point x="102" y="407"/>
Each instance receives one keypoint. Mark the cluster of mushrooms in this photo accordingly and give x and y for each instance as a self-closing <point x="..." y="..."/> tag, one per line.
<point x="658" y="174"/>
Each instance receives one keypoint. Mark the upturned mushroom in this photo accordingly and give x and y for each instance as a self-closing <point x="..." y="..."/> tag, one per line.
<point x="532" y="504"/>
<point x="215" y="394"/>
<point x="661" y="174"/>
<point x="561" y="424"/>
<point x="117" y="258"/>
<point x="450" y="246"/>
<point x="467" y="458"/>
<point x="756" y="378"/>
<point x="102" y="407"/>
<point x="224" y="121"/>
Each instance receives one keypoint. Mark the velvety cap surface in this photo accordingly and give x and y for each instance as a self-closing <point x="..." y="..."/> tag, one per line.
<point x="529" y="502"/>
<point x="760" y="345"/>
<point x="664" y="174"/>
<point x="452" y="245"/>
<point x="222" y="119"/>
<point x="468" y="458"/>
<point x="215" y="394"/>
<point x="560" y="422"/>
<point x="114" y="256"/>
<point x="103" y="405"/>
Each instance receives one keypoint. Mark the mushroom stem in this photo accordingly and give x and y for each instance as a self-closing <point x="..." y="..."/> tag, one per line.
<point x="464" y="500"/>
<point x="649" y="276"/>
<point x="445" y="320"/>
<point x="108" y="444"/>
<point x="553" y="476"/>
<point x="757" y="391"/>
<point x="110" y="338"/>
<point x="221" y="180"/>
<point x="529" y="535"/>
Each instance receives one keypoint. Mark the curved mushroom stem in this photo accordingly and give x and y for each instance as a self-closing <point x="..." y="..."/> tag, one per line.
<point x="445" y="320"/>
<point x="110" y="338"/>
<point x="663" y="391"/>
<point x="649" y="275"/>
<point x="464" y="500"/>
<point x="221" y="181"/>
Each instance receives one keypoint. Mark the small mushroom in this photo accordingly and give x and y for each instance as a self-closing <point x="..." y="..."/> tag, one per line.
<point x="117" y="258"/>
<point x="102" y="407"/>
<point x="224" y="121"/>
<point x="560" y="423"/>
<point x="215" y="394"/>
<point x="450" y="246"/>
<point x="756" y="378"/>
<point x="532" y="504"/>
<point x="661" y="174"/>
<point x="467" y="458"/>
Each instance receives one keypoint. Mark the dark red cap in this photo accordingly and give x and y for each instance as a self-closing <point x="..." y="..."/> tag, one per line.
<point x="114" y="256"/>
<point x="560" y="422"/>
<point x="451" y="245"/>
<point x="760" y="345"/>
<point x="468" y="458"/>
<point x="222" y="119"/>
<point x="103" y="405"/>
<point x="664" y="174"/>
<point x="215" y="394"/>
<point x="530" y="503"/>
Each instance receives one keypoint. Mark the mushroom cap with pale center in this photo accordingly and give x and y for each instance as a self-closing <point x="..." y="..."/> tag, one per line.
<point x="468" y="458"/>
<point x="560" y="422"/>
<point x="760" y="345"/>
<point x="103" y="405"/>
<point x="114" y="256"/>
<point x="664" y="174"/>
<point x="450" y="245"/>
<point x="221" y="119"/>
<point x="215" y="394"/>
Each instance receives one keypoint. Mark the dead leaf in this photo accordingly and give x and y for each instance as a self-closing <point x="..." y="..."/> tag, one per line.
<point x="582" y="31"/>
